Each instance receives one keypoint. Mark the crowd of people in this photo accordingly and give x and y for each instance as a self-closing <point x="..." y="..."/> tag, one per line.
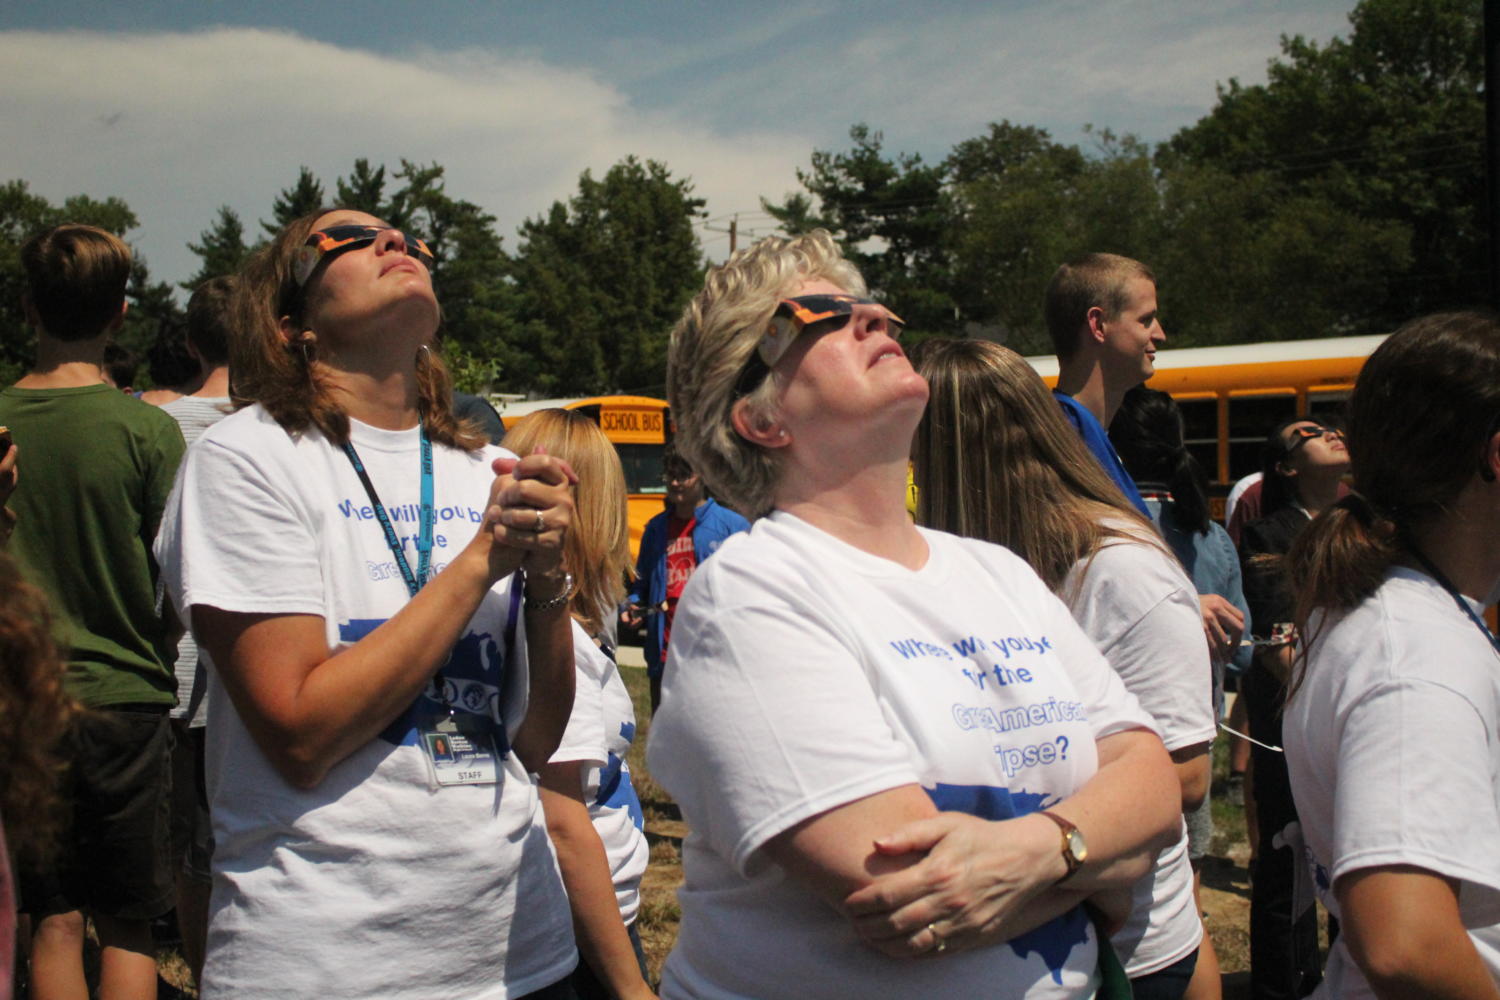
<point x="295" y="648"/>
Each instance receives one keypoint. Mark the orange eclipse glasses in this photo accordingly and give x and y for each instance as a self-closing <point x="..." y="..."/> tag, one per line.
<point x="326" y="244"/>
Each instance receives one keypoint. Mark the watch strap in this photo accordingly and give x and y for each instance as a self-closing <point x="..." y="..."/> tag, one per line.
<point x="1069" y="858"/>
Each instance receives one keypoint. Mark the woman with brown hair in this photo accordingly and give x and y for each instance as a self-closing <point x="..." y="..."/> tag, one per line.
<point x="382" y="605"/>
<point x="995" y="459"/>
<point x="1392" y="726"/>
<point x="593" y="815"/>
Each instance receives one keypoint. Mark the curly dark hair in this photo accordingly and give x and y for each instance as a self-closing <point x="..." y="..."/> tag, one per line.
<point x="35" y="714"/>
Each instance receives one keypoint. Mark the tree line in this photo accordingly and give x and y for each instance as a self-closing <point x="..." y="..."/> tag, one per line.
<point x="1343" y="196"/>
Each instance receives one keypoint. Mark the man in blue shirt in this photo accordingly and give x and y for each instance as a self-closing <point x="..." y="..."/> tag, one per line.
<point x="1101" y="313"/>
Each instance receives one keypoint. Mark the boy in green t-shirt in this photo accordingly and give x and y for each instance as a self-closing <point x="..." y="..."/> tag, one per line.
<point x="98" y="468"/>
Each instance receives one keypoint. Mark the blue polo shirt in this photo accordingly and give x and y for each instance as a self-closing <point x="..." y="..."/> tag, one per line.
<point x="1098" y="442"/>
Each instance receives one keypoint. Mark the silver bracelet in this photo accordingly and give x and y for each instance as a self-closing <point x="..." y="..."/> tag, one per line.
<point x="556" y="601"/>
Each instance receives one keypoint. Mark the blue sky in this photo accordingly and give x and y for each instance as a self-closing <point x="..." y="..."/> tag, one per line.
<point x="179" y="107"/>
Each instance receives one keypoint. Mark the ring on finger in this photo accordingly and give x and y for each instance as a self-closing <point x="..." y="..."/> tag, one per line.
<point x="939" y="944"/>
<point x="541" y="524"/>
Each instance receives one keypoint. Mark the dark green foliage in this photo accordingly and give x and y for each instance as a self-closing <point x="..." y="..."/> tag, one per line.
<point x="221" y="248"/>
<point x="602" y="279"/>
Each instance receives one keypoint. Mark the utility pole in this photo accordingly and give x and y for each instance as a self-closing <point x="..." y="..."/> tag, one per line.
<point x="734" y="228"/>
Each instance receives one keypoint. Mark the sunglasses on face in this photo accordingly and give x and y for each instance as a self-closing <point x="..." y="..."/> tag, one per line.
<point x="1305" y="433"/>
<point x="794" y="316"/>
<point x="325" y="244"/>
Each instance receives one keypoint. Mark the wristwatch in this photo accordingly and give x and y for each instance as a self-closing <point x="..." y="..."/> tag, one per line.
<point x="556" y="601"/>
<point x="1075" y="850"/>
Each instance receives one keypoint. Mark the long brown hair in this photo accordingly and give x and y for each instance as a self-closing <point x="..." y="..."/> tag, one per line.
<point x="1423" y="410"/>
<point x="995" y="459"/>
<point x="597" y="547"/>
<point x="284" y="375"/>
<point x="35" y="712"/>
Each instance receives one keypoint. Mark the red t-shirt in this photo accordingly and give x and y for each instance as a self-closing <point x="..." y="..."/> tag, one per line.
<point x="681" y="561"/>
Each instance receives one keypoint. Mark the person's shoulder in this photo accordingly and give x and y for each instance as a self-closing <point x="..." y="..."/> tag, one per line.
<point x="249" y="429"/>
<point x="724" y="517"/>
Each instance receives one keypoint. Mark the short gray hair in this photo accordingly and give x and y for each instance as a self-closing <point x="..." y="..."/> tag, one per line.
<point x="713" y="343"/>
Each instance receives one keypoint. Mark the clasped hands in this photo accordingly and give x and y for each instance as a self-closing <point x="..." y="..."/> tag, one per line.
<point x="529" y="513"/>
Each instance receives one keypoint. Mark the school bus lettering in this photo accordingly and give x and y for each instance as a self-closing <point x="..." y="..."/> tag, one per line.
<point x="631" y="421"/>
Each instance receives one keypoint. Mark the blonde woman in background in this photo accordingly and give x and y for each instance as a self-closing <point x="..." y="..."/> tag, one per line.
<point x="593" y="814"/>
<point x="996" y="460"/>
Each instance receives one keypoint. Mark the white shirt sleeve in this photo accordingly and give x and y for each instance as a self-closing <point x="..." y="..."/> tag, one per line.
<point x="1139" y="609"/>
<point x="1415" y="786"/>
<point x="233" y="540"/>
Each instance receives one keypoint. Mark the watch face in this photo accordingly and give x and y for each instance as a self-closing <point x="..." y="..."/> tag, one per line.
<point x="1077" y="847"/>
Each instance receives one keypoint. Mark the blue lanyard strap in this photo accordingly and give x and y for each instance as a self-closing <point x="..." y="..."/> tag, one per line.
<point x="1458" y="598"/>
<point x="414" y="581"/>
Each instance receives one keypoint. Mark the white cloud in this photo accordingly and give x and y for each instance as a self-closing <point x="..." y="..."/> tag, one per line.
<point x="177" y="124"/>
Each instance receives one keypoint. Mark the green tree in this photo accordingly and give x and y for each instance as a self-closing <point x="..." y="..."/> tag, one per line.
<point x="1378" y="138"/>
<point x="890" y="216"/>
<point x="221" y="248"/>
<point x="602" y="278"/>
<point x="294" y="202"/>
<point x="364" y="189"/>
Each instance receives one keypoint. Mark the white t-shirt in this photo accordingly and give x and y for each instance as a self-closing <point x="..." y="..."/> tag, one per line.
<point x="600" y="731"/>
<point x="1136" y="603"/>
<point x="1394" y="755"/>
<point x="194" y="414"/>
<point x="805" y="674"/>
<point x="369" y="884"/>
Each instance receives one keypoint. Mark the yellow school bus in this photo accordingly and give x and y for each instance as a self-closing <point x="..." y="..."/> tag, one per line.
<point x="638" y="428"/>
<point x="1232" y="396"/>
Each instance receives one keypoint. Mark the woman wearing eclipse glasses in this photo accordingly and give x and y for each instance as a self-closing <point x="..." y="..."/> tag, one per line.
<point x="889" y="744"/>
<point x="1393" y="723"/>
<point x="380" y="595"/>
<point x="1303" y="466"/>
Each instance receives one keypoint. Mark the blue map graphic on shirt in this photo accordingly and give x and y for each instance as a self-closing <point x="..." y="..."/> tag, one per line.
<point x="1055" y="939"/>
<point x="474" y="675"/>
<point x="616" y="791"/>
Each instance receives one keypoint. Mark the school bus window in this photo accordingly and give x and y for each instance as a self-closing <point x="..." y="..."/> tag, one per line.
<point x="1250" y="420"/>
<point x="643" y="467"/>
<point x="1327" y="407"/>
<point x="1200" y="432"/>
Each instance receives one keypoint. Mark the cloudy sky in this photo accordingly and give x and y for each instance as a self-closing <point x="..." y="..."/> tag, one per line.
<point x="180" y="106"/>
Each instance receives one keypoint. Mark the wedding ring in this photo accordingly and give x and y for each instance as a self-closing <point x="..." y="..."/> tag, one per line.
<point x="541" y="524"/>
<point x="939" y="945"/>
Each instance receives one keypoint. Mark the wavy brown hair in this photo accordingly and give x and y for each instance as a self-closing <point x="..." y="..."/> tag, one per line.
<point x="35" y="713"/>
<point x="285" y="376"/>
<point x="995" y="459"/>
<point x="1422" y="413"/>
<point x="597" y="546"/>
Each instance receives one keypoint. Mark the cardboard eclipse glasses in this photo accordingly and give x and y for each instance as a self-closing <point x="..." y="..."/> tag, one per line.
<point x="328" y="243"/>
<point x="794" y="315"/>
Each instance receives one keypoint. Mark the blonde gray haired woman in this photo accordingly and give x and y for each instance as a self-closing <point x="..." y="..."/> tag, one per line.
<point x="888" y="743"/>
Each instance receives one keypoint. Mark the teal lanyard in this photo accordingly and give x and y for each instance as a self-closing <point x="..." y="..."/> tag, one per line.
<point x="414" y="581"/>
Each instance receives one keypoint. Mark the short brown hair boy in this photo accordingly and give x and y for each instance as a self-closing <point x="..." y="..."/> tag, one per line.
<point x="75" y="279"/>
